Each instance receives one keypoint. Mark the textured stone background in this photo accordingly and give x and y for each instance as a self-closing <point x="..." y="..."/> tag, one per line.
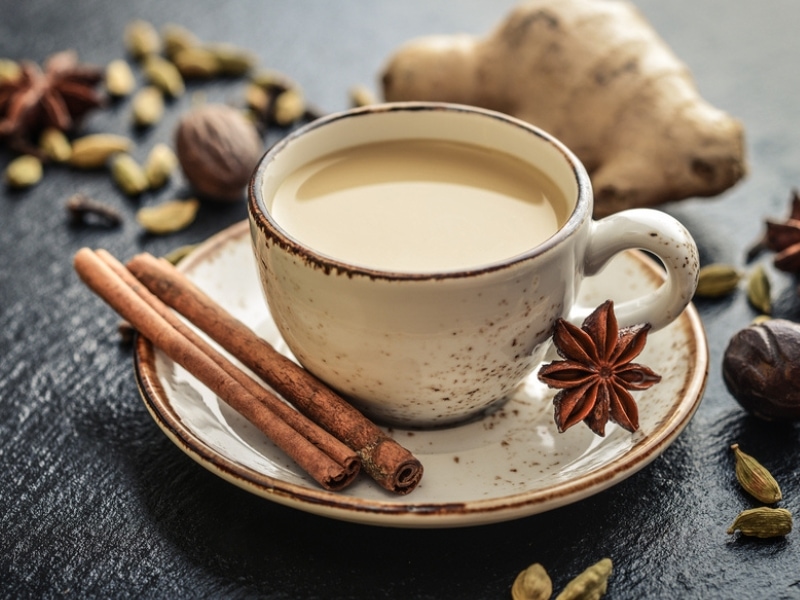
<point x="96" y="502"/>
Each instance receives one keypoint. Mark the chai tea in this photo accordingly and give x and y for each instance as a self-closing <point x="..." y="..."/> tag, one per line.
<point x="419" y="205"/>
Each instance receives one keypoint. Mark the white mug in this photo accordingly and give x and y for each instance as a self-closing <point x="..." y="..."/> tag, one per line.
<point x="432" y="348"/>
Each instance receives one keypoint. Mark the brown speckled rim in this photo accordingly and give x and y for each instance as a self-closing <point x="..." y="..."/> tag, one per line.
<point x="402" y="513"/>
<point x="262" y="218"/>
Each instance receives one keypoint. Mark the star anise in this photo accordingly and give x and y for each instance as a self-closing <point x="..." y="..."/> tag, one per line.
<point x="57" y="96"/>
<point x="784" y="238"/>
<point x="595" y="377"/>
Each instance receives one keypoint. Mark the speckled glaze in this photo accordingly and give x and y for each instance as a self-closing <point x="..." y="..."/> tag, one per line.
<point x="507" y="464"/>
<point x="428" y="349"/>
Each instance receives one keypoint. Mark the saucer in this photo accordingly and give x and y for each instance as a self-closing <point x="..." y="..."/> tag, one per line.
<point x="509" y="464"/>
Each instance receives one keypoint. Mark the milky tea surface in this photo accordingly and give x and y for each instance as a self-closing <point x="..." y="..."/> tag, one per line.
<point x="419" y="206"/>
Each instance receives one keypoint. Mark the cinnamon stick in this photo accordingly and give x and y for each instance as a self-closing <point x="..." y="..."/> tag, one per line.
<point x="390" y="464"/>
<point x="107" y="283"/>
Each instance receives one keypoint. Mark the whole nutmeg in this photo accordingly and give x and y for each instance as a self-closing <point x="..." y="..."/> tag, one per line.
<point x="218" y="149"/>
<point x="761" y="368"/>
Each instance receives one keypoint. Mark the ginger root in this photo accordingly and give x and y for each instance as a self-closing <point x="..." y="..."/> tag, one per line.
<point x="597" y="76"/>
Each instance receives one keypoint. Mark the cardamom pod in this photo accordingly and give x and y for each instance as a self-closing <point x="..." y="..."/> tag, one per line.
<point x="177" y="38"/>
<point x="128" y="175"/>
<point x="93" y="151"/>
<point x="159" y="166"/>
<point x="178" y="254"/>
<point x="9" y="70"/>
<point x="589" y="585"/>
<point x="141" y="39"/>
<point x="232" y="60"/>
<point x="168" y="217"/>
<point x="164" y="75"/>
<point x="55" y="145"/>
<point x="755" y="478"/>
<point x="763" y="522"/>
<point x="197" y="62"/>
<point x="361" y="95"/>
<point x="717" y="280"/>
<point x="257" y="98"/>
<point x="147" y="106"/>
<point x="532" y="584"/>
<point x="23" y="172"/>
<point x="119" y="78"/>
<point x="289" y="107"/>
<point x="758" y="290"/>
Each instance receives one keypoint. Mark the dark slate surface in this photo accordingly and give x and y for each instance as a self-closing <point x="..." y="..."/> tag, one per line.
<point x="95" y="502"/>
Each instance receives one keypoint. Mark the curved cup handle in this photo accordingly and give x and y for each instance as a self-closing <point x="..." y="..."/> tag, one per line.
<point x="655" y="232"/>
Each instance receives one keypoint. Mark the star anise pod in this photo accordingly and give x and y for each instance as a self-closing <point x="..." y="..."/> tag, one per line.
<point x="57" y="96"/>
<point x="784" y="238"/>
<point x="595" y="377"/>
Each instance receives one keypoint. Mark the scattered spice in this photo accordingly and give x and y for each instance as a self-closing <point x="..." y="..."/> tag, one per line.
<point x="218" y="148"/>
<point x="58" y="96"/>
<point x="783" y="238"/>
<point x="9" y="70"/>
<point x="759" y="290"/>
<point x="717" y="280"/>
<point x="83" y="210"/>
<point x="197" y="62"/>
<point x="177" y="38"/>
<point x="595" y="379"/>
<point x="361" y="95"/>
<point x="763" y="522"/>
<point x="119" y="78"/>
<point x="168" y="217"/>
<point x="164" y="75"/>
<point x="93" y="151"/>
<point x="128" y="174"/>
<point x="147" y="106"/>
<point x="160" y="164"/>
<point x="761" y="369"/>
<point x="55" y="145"/>
<point x="141" y="39"/>
<point x="23" y="172"/>
<point x="532" y="584"/>
<point x="591" y="584"/>
<point x="755" y="479"/>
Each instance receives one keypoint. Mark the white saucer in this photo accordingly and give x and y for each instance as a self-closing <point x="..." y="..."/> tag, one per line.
<point x="508" y="465"/>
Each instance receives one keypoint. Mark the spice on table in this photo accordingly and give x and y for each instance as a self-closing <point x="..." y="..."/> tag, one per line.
<point x="128" y="174"/>
<point x="55" y="145"/>
<point x="83" y="210"/>
<point x="177" y="38"/>
<point x="755" y="479"/>
<point x="147" y="106"/>
<point x="9" y="70"/>
<point x="589" y="585"/>
<point x="119" y="78"/>
<point x="168" y="217"/>
<point x="758" y="290"/>
<point x="57" y="96"/>
<point x="160" y="164"/>
<point x="141" y="39"/>
<point x="532" y="584"/>
<point x="23" y="172"/>
<point x="391" y="465"/>
<point x="763" y="522"/>
<point x="595" y="377"/>
<point x="232" y="60"/>
<point x="783" y="238"/>
<point x="717" y="280"/>
<point x="164" y="75"/>
<point x="327" y="461"/>
<point x="761" y="369"/>
<point x="93" y="151"/>
<point x="218" y="148"/>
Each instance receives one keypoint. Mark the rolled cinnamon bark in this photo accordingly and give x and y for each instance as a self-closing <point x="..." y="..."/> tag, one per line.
<point x="106" y="282"/>
<point x="386" y="461"/>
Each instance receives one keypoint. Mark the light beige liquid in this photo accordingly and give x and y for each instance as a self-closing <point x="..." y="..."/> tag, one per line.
<point x="419" y="206"/>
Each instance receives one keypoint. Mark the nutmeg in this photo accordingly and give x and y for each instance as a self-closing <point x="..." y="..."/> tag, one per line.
<point x="761" y="368"/>
<point x="218" y="149"/>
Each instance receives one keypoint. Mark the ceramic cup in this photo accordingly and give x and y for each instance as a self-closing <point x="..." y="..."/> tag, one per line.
<point x="427" y="349"/>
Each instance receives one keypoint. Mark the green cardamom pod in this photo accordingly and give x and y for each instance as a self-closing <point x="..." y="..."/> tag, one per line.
<point x="589" y="585"/>
<point x="197" y="62"/>
<point x="119" y="78"/>
<point x="159" y="166"/>
<point x="758" y="290"/>
<point x="763" y="522"/>
<point x="168" y="217"/>
<point x="128" y="175"/>
<point x="717" y="280"/>
<point x="9" y="70"/>
<point x="755" y="478"/>
<point x="141" y="39"/>
<point x="24" y="171"/>
<point x="532" y="584"/>
<point x="147" y="106"/>
<point x="93" y="151"/>
<point x="164" y="75"/>
<point x="232" y="60"/>
<point x="55" y="145"/>
<point x="177" y="38"/>
<point x="289" y="107"/>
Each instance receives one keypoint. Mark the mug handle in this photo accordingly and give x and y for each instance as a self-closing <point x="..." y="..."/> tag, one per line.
<point x="655" y="232"/>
